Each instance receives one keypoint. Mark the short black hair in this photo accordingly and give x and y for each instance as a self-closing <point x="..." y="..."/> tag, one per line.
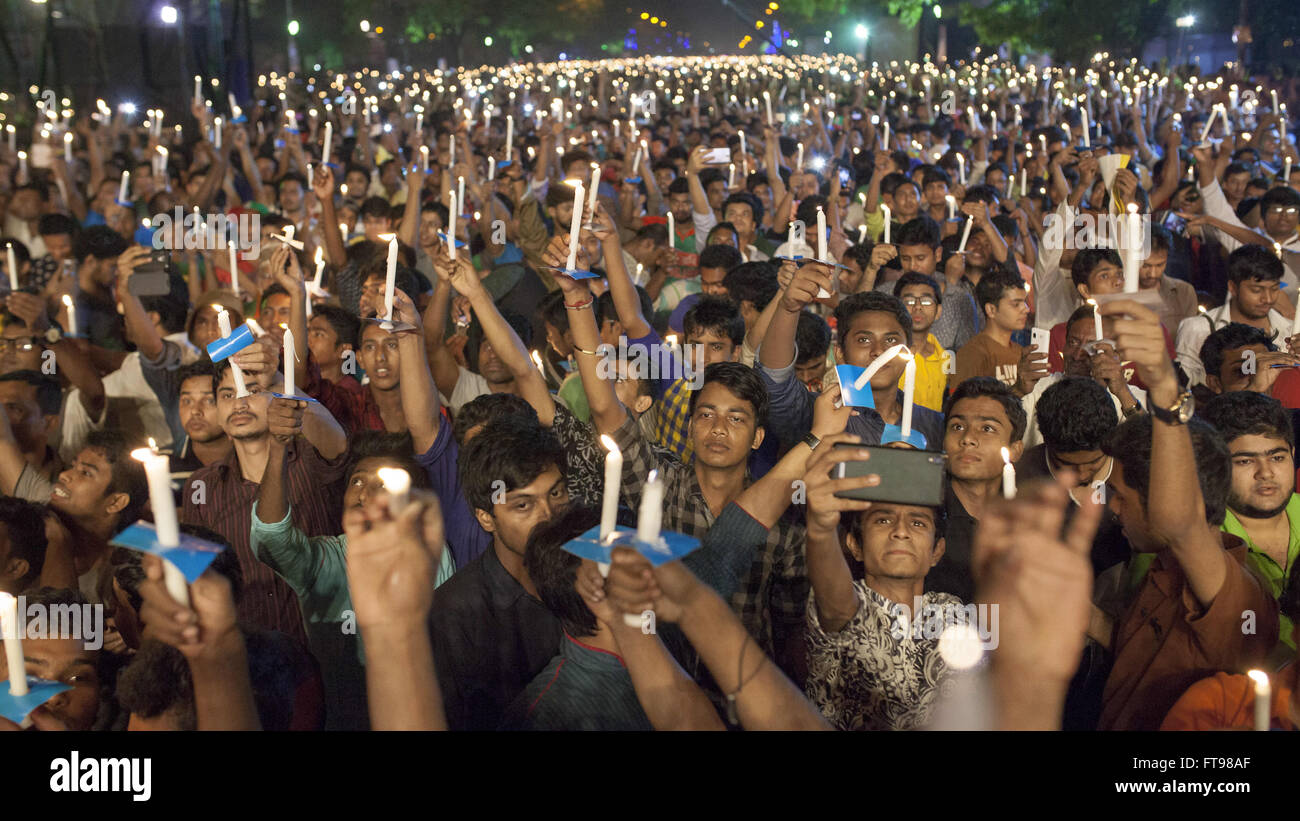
<point x="158" y="681"/>
<point x="1289" y="602"/>
<point x="741" y="380"/>
<point x="25" y="522"/>
<point x="865" y="301"/>
<point x="49" y="395"/>
<point x="483" y="409"/>
<point x="725" y="257"/>
<point x="520" y="324"/>
<point x="1075" y="414"/>
<point x="715" y="313"/>
<point x="917" y="278"/>
<point x="1087" y="260"/>
<point x="510" y="449"/>
<point x="981" y="386"/>
<point x="54" y="224"/>
<point x="553" y="570"/>
<point x="553" y="312"/>
<point x="1161" y="238"/>
<point x="994" y="285"/>
<point x="127" y="473"/>
<point x="1283" y="195"/>
<point x="1246" y="413"/>
<point x="346" y="324"/>
<point x="1254" y="262"/>
<point x="1231" y="337"/>
<point x="753" y="282"/>
<point x="100" y="242"/>
<point x="922" y="230"/>
<point x="398" y="448"/>
<point x="745" y="198"/>
<point x="1130" y="446"/>
<point x="607" y="311"/>
<point x="375" y="207"/>
<point x="812" y="337"/>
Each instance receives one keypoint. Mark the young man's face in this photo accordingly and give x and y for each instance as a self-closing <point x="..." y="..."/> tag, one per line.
<point x="629" y="390"/>
<point x="764" y="194"/>
<point x="31" y="428"/>
<point x="364" y="482"/>
<point x="717" y="347"/>
<point x="323" y="342"/>
<point x="1254" y="298"/>
<point x="935" y="192"/>
<point x="1076" y="359"/>
<point x="25" y="205"/>
<point x="66" y="661"/>
<point x="20" y="351"/>
<point x="979" y="252"/>
<point x="871" y="333"/>
<point x="1126" y="503"/>
<point x="58" y="246"/>
<point x="206" y="329"/>
<point x="1085" y="463"/>
<point x="739" y="215"/>
<point x="723" y="427"/>
<point x="976" y="431"/>
<point x="357" y="183"/>
<point x="291" y="196"/>
<point x="198" y="410"/>
<point x="1011" y="312"/>
<point x="994" y="179"/>
<point x="810" y="372"/>
<point x="241" y="417"/>
<point x="920" y="258"/>
<point x="923" y="305"/>
<point x="663" y="177"/>
<point x="711" y="281"/>
<point x="896" y="541"/>
<point x="82" y="491"/>
<point x="1153" y="269"/>
<point x="1234" y="375"/>
<point x="1280" y="220"/>
<point x="380" y="357"/>
<point x="907" y="204"/>
<point x="1263" y="475"/>
<point x="536" y="503"/>
<point x="716" y="193"/>
<point x="276" y="315"/>
<point x="680" y="205"/>
<point x="1234" y="185"/>
<point x="374" y="225"/>
<point x="1105" y="278"/>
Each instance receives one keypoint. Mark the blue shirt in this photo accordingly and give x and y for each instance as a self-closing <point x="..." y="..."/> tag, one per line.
<point x="582" y="688"/>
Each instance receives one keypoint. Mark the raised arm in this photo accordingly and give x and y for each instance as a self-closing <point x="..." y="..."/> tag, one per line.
<point x="832" y="581"/>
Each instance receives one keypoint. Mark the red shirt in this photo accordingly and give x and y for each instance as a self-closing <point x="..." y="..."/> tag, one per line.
<point x="1056" y="355"/>
<point x="347" y="400"/>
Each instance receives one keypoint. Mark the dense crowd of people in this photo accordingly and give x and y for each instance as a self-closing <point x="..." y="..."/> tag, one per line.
<point x="746" y="291"/>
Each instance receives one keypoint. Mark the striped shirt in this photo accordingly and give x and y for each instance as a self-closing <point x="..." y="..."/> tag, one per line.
<point x="218" y="497"/>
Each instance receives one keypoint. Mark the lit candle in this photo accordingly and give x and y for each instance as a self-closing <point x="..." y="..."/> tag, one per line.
<point x="320" y="268"/>
<point x="510" y="136"/>
<point x="649" y="519"/>
<point x="798" y="162"/>
<point x="122" y="189"/>
<point x="398" y="484"/>
<point x="742" y="141"/>
<point x="636" y="161"/>
<point x="460" y="192"/>
<point x="198" y="89"/>
<point x="327" y="142"/>
<point x="1277" y="248"/>
<point x="909" y="388"/>
<point x="595" y="188"/>
<point x="67" y="148"/>
<point x="767" y="100"/>
<point x="862" y="234"/>
<point x="576" y="222"/>
<point x="1263" y="699"/>
<point x="1083" y="119"/>
<point x="1273" y="93"/>
<point x="965" y="235"/>
<point x="884" y="209"/>
<point x="391" y="282"/>
<point x="879" y="362"/>
<point x="157" y="471"/>
<point x="492" y="166"/>
<point x="451" y="142"/>
<point x="821" y="234"/>
<point x="1008" y="476"/>
<point x="1205" y="132"/>
<point x="1096" y="318"/>
<point x="1133" y="253"/>
<point x="731" y="176"/>
<point x="234" y="268"/>
<point x="952" y="206"/>
<point x="11" y="264"/>
<point x="290" y="386"/>
<point x="9" y="623"/>
<point x="72" y="314"/>
<point x="961" y="169"/>
<point x="672" y="231"/>
<point x="451" y="226"/>
<point x="884" y="143"/>
<point x="1286" y="172"/>
<point x="1024" y="181"/>
<point x="613" y="476"/>
<point x="237" y="373"/>
<point x="1042" y="139"/>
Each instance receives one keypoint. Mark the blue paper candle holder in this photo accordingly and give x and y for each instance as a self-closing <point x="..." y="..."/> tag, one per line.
<point x="669" y="547"/>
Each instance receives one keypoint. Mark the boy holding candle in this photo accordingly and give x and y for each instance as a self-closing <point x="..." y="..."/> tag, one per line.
<point x="919" y="294"/>
<point x="1003" y="299"/>
<point x="62" y="658"/>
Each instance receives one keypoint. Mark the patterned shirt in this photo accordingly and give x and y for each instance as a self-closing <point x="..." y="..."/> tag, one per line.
<point x="673" y="428"/>
<point x="772" y="594"/>
<point x="880" y="671"/>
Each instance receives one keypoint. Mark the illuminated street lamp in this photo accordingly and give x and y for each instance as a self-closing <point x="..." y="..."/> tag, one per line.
<point x="863" y="33"/>
<point x="168" y="15"/>
<point x="1183" y="24"/>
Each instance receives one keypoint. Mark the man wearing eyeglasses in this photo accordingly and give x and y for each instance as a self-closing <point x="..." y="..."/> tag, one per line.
<point x="920" y="296"/>
<point x="1279" y="213"/>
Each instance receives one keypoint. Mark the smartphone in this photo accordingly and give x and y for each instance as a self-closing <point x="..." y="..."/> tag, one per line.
<point x="1175" y="224"/>
<point x="844" y="177"/>
<point x="717" y="156"/>
<point x="151" y="278"/>
<point x="857" y="115"/>
<point x="910" y="477"/>
<point x="1040" y="340"/>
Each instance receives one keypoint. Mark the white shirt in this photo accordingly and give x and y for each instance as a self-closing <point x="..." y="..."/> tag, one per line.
<point x="1193" y="331"/>
<point x="1216" y="205"/>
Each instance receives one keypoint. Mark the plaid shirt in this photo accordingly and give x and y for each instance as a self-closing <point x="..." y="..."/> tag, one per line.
<point x="673" y="426"/>
<point x="772" y="595"/>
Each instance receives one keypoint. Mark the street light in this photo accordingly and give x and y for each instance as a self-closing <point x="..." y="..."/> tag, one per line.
<point x="1183" y="23"/>
<point x="365" y="25"/>
<point x="864" y="34"/>
<point x="168" y="15"/>
<point x="938" y="11"/>
<point x="293" y="28"/>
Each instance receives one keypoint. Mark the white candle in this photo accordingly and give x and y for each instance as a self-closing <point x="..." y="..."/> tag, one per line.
<point x="767" y="100"/>
<point x="595" y="188"/>
<point x="1042" y="139"/>
<point x="952" y="206"/>
<point x="158" y="472"/>
<point x="1096" y="318"/>
<point x="122" y="189"/>
<point x="885" y="142"/>
<point x="13" y="639"/>
<point x="650" y="516"/>
<point x="1024" y="181"/>
<point x="1273" y="92"/>
<point x="1133" y="253"/>
<point x="965" y="234"/>
<point x="672" y="231"/>
<point x="1286" y="172"/>
<point x="1008" y="476"/>
<point x="320" y="268"/>
<point x="398" y="484"/>
<point x="451" y="226"/>
<point x="424" y="159"/>
<point x="575" y="223"/>
<point x="862" y="233"/>
<point x="198" y="88"/>
<point x="11" y="263"/>
<point x="636" y="161"/>
<point x="13" y="136"/>
<point x="742" y="142"/>
<point x="868" y="372"/>
<point x="327" y="142"/>
<point x="888" y="219"/>
<point x="510" y="136"/>
<point x="492" y="167"/>
<point x="909" y="388"/>
<point x="1263" y="699"/>
<point x="731" y="176"/>
<point x="460" y="192"/>
<point x="1083" y="119"/>
<point x="236" y="372"/>
<point x="1209" y="123"/>
<point x="821" y="234"/>
<point x="961" y="169"/>
<point x="290" y="384"/>
<point x="391" y="282"/>
<point x="970" y="113"/>
<point x="72" y="314"/>
<point x="451" y="142"/>
<point x="798" y="162"/>
<point x="234" y="268"/>
<point x="67" y="148"/>
<point x="613" y="476"/>
<point x="216" y="134"/>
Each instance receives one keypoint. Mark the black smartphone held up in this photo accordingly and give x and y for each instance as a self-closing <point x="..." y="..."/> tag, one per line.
<point x="1175" y="224"/>
<point x="907" y="476"/>
<point x="150" y="279"/>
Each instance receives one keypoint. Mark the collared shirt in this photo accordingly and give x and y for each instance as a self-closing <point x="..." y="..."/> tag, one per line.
<point x="1227" y="702"/>
<point x="1167" y="641"/>
<point x="1193" y="331"/>
<point x="673" y="424"/>
<point x="960" y="320"/>
<point x="1276" y="577"/>
<point x="218" y="497"/>
<point x="466" y="538"/>
<point x="880" y="671"/>
<point x="347" y="400"/>
<point x="582" y="688"/>
<point x="790" y="412"/>
<point x="490" y="638"/>
<point x="770" y="599"/>
<point x="1177" y="301"/>
<point x="584" y="457"/>
<point x="931" y="379"/>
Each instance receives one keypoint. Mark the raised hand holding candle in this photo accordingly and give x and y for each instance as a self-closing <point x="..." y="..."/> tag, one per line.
<point x="10" y="626"/>
<point x="451" y="226"/>
<point x="11" y="265"/>
<point x="71" y="308"/>
<point x="1263" y="699"/>
<point x="398" y="484"/>
<point x="884" y="209"/>
<point x="391" y="283"/>
<point x="290" y="357"/>
<point x="965" y="235"/>
<point x="575" y="223"/>
<point x="1008" y="476"/>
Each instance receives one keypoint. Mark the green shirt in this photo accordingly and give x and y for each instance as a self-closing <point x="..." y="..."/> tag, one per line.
<point x="1263" y="563"/>
<point x="574" y="397"/>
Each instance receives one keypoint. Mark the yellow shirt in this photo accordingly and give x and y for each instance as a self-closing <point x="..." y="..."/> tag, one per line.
<point x="931" y="381"/>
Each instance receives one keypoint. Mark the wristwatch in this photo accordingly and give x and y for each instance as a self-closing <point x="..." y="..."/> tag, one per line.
<point x="1178" y="413"/>
<point x="811" y="441"/>
<point x="53" y="334"/>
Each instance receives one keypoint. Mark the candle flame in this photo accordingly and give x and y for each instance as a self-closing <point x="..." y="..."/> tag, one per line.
<point x="67" y="300"/>
<point x="1259" y="677"/>
<point x="394" y="479"/>
<point x="1006" y="456"/>
<point x="387" y="237"/>
<point x="537" y="360"/>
